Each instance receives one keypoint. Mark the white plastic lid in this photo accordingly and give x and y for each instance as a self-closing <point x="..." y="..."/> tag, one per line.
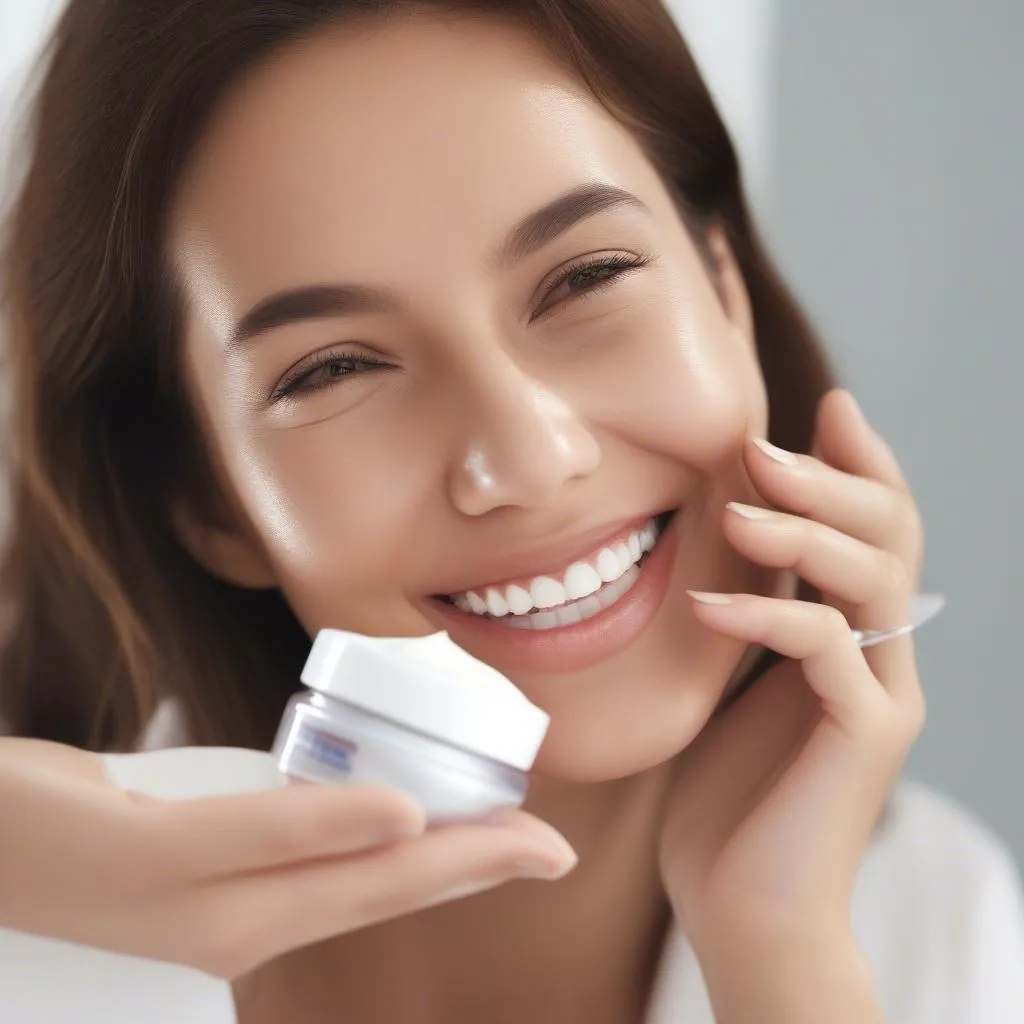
<point x="429" y="684"/>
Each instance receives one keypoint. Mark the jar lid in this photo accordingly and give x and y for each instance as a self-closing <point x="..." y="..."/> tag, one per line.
<point x="431" y="685"/>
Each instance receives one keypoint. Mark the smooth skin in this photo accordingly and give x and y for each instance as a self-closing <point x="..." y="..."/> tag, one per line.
<point x="767" y="821"/>
<point x="510" y="413"/>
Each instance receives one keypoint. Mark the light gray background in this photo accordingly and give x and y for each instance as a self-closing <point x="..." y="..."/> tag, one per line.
<point x="884" y="142"/>
<point x="896" y="191"/>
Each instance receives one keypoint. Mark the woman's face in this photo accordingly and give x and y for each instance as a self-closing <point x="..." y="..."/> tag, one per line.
<point x="453" y="346"/>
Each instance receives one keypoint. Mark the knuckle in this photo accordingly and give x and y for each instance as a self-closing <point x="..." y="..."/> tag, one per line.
<point x="907" y="526"/>
<point x="909" y="521"/>
<point x="893" y="576"/>
<point x="834" y="623"/>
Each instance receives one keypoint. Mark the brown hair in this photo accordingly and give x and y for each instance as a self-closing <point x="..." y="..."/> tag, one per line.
<point x="109" y="613"/>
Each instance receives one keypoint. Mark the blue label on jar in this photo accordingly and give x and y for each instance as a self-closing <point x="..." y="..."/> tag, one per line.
<point x="328" y="749"/>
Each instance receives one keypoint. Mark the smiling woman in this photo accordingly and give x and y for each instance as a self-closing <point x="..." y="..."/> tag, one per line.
<point x="402" y="317"/>
<point x="569" y="363"/>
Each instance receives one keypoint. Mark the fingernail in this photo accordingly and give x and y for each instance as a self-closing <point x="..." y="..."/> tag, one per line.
<point x="550" y="870"/>
<point x="558" y="862"/>
<point x="707" y="598"/>
<point x="779" y="455"/>
<point x="552" y="842"/>
<point x="748" y="511"/>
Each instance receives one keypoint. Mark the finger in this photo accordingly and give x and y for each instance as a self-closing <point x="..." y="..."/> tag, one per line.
<point x="266" y="914"/>
<point x="847" y="441"/>
<point x="872" y="585"/>
<point x="866" y="509"/>
<point x="815" y="635"/>
<point x="226" y="835"/>
<point x="871" y="579"/>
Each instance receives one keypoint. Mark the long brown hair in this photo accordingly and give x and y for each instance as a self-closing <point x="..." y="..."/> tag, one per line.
<point x="109" y="612"/>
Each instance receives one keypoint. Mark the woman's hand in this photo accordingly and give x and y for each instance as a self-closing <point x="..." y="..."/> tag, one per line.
<point x="226" y="883"/>
<point x="777" y="799"/>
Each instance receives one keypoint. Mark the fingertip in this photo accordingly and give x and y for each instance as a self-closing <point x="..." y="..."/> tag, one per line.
<point x="760" y="452"/>
<point x="552" y="839"/>
<point x="706" y="598"/>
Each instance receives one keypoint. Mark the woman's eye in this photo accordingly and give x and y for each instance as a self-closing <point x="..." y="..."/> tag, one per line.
<point x="323" y="372"/>
<point x="589" y="277"/>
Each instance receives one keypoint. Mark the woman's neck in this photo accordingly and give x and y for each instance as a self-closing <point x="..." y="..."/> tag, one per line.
<point x="584" y="948"/>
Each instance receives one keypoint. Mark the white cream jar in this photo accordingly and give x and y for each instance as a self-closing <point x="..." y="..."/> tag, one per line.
<point x="416" y="714"/>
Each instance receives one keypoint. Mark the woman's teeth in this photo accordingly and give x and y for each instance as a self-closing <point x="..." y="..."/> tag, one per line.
<point x="585" y="588"/>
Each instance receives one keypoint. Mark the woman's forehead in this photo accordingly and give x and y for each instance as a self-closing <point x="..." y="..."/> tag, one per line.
<point x="393" y="136"/>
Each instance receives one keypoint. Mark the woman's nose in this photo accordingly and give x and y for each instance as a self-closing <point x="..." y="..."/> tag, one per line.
<point x="519" y="445"/>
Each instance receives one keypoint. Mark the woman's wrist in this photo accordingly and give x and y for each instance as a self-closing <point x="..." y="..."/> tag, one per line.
<point x="805" y="980"/>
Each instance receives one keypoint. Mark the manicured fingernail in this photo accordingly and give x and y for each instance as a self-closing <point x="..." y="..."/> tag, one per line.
<point x="705" y="598"/>
<point x="748" y="511"/>
<point x="777" y="454"/>
<point x="550" y="871"/>
<point x="561" y="859"/>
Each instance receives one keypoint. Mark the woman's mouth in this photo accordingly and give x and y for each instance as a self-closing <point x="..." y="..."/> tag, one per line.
<point x="571" y="617"/>
<point x="583" y="590"/>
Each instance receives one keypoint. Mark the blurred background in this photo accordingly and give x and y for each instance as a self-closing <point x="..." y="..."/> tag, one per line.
<point x="884" y="150"/>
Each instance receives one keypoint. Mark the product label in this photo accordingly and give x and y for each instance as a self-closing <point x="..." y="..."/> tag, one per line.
<point x="328" y="749"/>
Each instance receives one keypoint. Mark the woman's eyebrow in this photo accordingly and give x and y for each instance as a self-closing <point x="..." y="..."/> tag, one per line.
<point x="555" y="218"/>
<point x="311" y="302"/>
<point x="537" y="229"/>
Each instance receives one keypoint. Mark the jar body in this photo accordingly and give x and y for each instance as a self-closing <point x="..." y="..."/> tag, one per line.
<point x="322" y="739"/>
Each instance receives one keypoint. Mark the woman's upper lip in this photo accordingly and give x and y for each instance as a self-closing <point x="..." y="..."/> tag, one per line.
<point x="551" y="558"/>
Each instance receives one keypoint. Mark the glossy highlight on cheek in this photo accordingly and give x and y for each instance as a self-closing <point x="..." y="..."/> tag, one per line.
<point x="279" y="521"/>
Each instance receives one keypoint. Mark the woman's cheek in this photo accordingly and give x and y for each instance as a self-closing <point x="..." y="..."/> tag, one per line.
<point x="337" y="499"/>
<point x="275" y="507"/>
<point x="688" y="390"/>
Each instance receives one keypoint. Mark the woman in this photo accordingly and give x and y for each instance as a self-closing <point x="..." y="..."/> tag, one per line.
<point x="395" y="317"/>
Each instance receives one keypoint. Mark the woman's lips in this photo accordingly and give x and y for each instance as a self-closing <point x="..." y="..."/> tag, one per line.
<point x="574" y="647"/>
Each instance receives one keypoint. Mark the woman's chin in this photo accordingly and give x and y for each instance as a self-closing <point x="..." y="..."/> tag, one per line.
<point x="592" y="740"/>
<point x="637" y="710"/>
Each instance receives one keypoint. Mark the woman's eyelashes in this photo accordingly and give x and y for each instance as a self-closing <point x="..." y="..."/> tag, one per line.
<point x="589" y="275"/>
<point x="324" y="370"/>
<point x="582" y="278"/>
